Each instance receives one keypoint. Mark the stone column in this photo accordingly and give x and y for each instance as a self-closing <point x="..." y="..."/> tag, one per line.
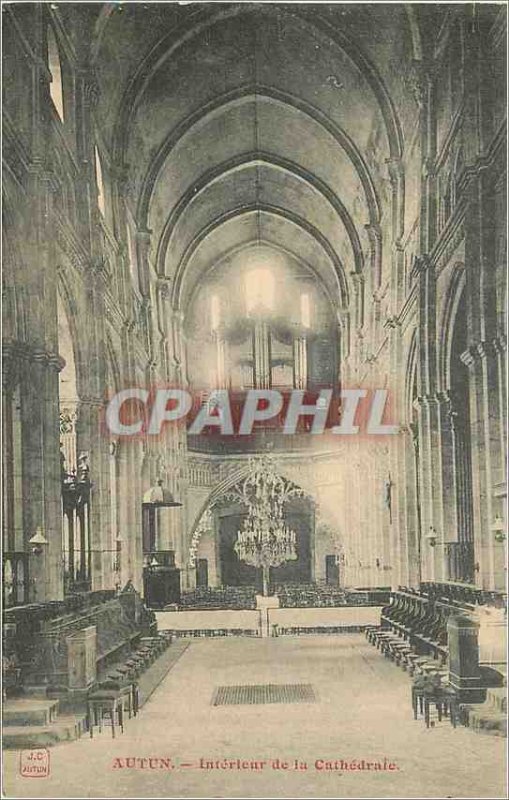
<point x="410" y="505"/>
<point x="487" y="463"/>
<point x="130" y="468"/>
<point x="41" y="472"/>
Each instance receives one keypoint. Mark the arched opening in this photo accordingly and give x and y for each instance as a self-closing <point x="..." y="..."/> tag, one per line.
<point x="300" y="518"/>
<point x="55" y="67"/>
<point x="261" y="493"/>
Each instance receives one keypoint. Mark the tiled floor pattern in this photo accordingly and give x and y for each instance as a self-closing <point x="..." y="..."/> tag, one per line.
<point x="262" y="694"/>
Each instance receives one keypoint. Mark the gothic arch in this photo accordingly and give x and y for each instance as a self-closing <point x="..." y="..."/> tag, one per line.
<point x="277" y="246"/>
<point x="263" y="92"/>
<point x="340" y="274"/>
<point x="168" y="46"/>
<point x="238" y="473"/>
<point x="247" y="160"/>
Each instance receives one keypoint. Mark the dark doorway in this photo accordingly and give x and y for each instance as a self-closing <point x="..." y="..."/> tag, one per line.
<point x="331" y="571"/>
<point x="202" y="573"/>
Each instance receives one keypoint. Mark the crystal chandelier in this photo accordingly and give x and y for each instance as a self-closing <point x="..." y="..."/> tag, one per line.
<point x="265" y="540"/>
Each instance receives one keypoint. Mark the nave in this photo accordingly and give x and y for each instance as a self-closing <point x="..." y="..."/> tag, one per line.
<point x="361" y="711"/>
<point x="298" y="204"/>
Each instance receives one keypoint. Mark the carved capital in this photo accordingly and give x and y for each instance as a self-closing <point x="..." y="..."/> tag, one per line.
<point x="68" y="418"/>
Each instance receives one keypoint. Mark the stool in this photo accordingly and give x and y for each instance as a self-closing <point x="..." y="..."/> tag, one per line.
<point x="427" y="690"/>
<point x="446" y="702"/>
<point x="108" y="702"/>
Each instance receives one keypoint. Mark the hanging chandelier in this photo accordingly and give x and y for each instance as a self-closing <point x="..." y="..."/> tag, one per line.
<point x="265" y="540"/>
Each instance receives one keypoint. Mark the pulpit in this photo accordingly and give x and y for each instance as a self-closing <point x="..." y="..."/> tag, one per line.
<point x="161" y="580"/>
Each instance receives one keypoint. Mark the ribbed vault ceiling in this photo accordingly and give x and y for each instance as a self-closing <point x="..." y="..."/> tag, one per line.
<point x="240" y="123"/>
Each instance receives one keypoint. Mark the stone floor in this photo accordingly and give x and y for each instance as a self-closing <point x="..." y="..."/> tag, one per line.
<point x="362" y="712"/>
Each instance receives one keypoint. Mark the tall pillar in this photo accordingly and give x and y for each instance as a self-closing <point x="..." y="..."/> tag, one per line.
<point x="41" y="473"/>
<point x="487" y="461"/>
<point x="410" y="505"/>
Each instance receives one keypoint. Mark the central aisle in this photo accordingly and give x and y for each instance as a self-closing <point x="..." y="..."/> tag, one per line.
<point x="362" y="711"/>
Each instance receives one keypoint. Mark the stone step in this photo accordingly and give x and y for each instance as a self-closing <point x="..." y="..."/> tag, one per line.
<point x="67" y="728"/>
<point x="497" y="699"/>
<point x="22" y="711"/>
<point x="483" y="718"/>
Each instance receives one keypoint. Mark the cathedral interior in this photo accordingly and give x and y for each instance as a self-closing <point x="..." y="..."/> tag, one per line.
<point x="272" y="197"/>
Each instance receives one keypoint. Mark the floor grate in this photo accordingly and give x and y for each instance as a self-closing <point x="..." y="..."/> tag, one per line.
<point x="255" y="694"/>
